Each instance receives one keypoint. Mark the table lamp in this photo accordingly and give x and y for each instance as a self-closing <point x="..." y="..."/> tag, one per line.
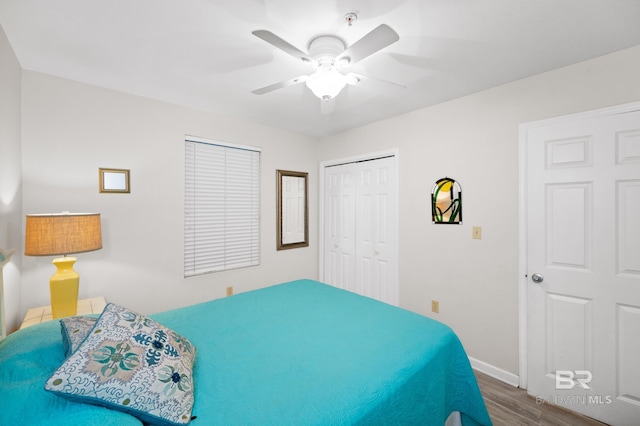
<point x="63" y="234"/>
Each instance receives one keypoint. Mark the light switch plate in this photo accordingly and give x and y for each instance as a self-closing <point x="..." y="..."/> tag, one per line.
<point x="477" y="233"/>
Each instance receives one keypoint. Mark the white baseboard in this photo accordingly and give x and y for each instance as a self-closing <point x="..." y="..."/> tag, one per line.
<point x="495" y="372"/>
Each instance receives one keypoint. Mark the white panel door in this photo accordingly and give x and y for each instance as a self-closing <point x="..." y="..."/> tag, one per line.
<point x="583" y="228"/>
<point x="360" y="223"/>
<point x="339" y="228"/>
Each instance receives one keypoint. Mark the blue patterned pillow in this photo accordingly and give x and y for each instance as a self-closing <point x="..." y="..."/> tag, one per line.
<point x="74" y="330"/>
<point x="131" y="363"/>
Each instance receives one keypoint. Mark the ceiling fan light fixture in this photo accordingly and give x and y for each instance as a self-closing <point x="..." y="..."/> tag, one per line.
<point x="327" y="55"/>
<point x="325" y="49"/>
<point x="326" y="83"/>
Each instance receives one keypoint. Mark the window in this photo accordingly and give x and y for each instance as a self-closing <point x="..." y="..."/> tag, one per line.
<point x="221" y="207"/>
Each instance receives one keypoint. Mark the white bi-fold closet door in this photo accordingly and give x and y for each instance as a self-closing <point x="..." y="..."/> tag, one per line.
<point x="360" y="227"/>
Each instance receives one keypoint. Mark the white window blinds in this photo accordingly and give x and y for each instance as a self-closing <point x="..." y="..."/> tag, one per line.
<point x="221" y="208"/>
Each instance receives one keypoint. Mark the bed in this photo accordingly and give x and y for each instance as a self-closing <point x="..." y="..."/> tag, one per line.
<point x="298" y="353"/>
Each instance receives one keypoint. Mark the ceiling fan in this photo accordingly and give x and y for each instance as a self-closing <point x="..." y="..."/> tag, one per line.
<point x="327" y="56"/>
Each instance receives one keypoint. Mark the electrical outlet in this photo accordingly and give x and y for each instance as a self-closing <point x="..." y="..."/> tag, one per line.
<point x="435" y="306"/>
<point x="230" y="291"/>
<point x="476" y="233"/>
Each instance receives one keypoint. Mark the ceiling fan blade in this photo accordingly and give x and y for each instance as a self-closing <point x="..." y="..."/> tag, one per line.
<point x="280" y="85"/>
<point x="285" y="46"/>
<point x="379" y="38"/>
<point x="355" y="79"/>
<point x="327" y="106"/>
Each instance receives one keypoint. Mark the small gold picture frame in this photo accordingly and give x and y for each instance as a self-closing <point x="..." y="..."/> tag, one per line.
<point x="115" y="181"/>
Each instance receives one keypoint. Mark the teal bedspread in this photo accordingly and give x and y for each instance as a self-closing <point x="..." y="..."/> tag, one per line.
<point x="299" y="353"/>
<point x="27" y="359"/>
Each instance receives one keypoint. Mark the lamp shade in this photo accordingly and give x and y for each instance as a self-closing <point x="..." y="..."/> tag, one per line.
<point x="326" y="82"/>
<point x="62" y="234"/>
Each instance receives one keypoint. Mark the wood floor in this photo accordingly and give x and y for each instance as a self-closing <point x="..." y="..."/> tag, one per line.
<point x="510" y="406"/>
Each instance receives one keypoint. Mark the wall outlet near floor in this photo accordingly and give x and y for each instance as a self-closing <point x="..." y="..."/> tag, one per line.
<point x="476" y="233"/>
<point x="230" y="291"/>
<point x="435" y="306"/>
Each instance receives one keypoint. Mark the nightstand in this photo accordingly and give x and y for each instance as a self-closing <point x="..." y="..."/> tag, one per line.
<point x="40" y="314"/>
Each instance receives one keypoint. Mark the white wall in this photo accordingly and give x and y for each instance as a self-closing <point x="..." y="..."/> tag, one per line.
<point x="10" y="176"/>
<point x="71" y="129"/>
<point x="474" y="140"/>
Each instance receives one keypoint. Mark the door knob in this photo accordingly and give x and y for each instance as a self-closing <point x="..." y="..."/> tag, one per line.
<point x="537" y="278"/>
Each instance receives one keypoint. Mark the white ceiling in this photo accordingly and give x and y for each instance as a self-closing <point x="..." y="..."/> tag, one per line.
<point x="201" y="53"/>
